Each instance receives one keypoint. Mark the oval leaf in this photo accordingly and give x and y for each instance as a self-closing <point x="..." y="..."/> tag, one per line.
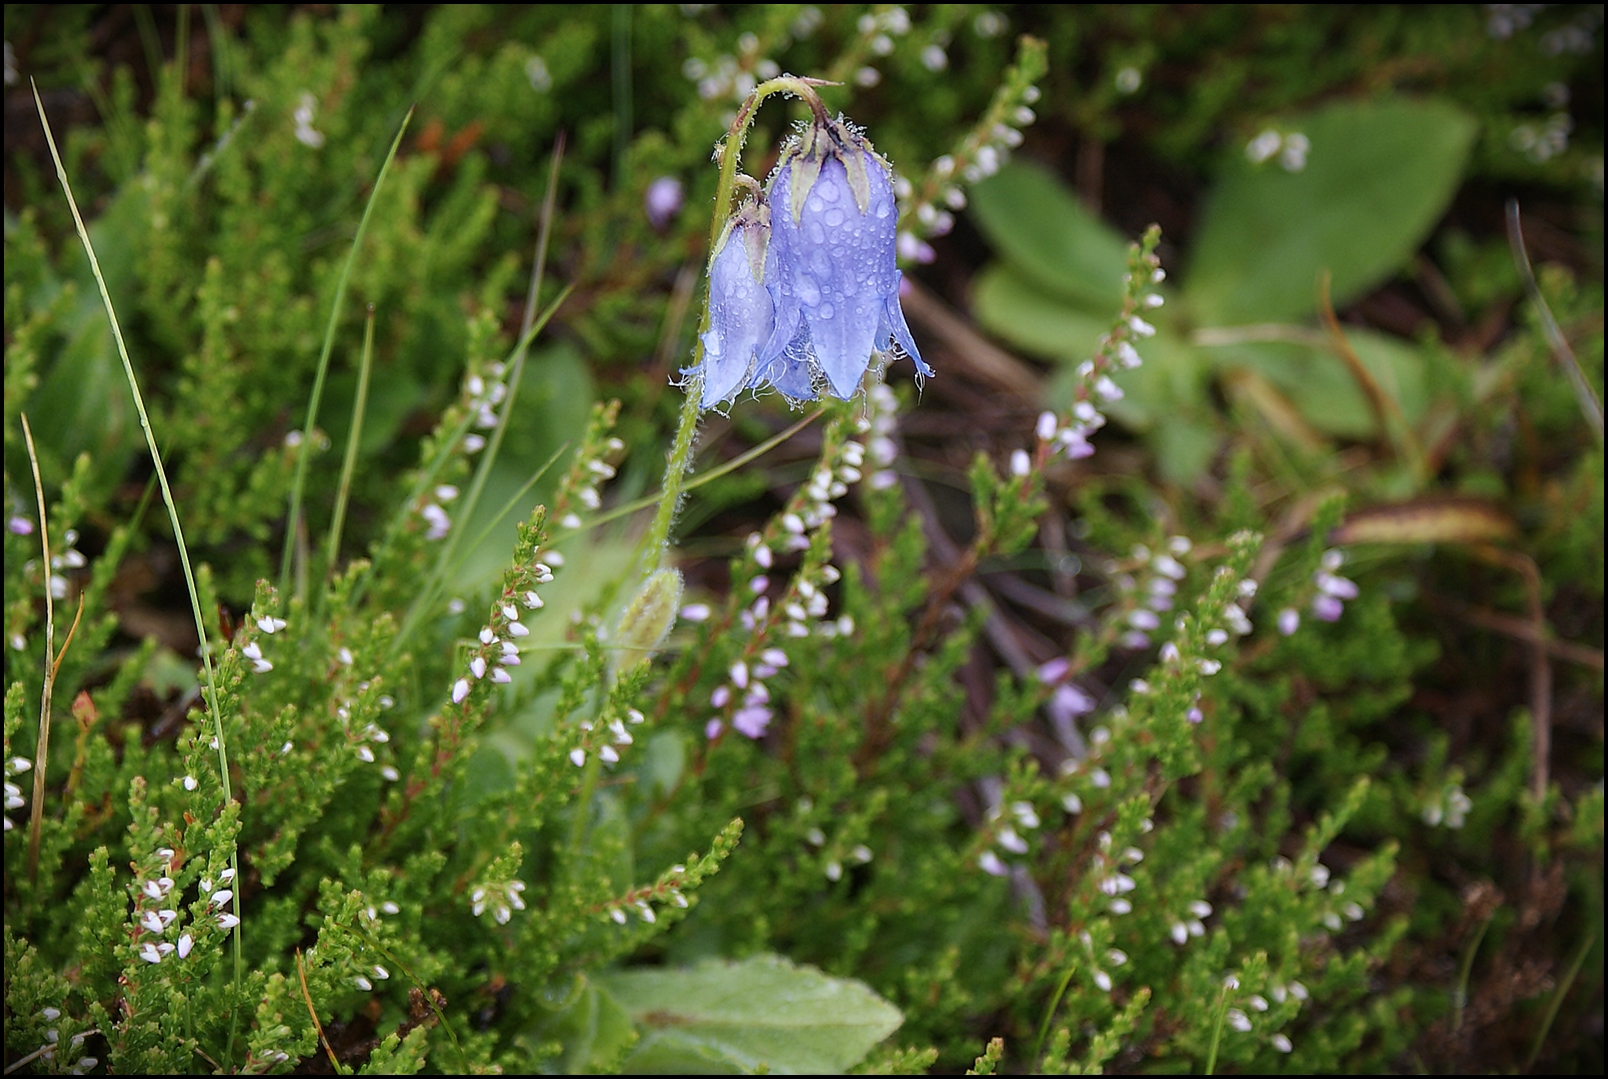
<point x="1377" y="178"/>
<point x="762" y="1012"/>
<point x="1042" y="230"/>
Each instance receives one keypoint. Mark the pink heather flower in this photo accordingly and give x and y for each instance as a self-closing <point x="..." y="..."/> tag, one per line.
<point x="752" y="721"/>
<point x="662" y="201"/>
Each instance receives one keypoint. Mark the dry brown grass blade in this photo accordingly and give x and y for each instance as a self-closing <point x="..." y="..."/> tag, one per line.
<point x="36" y="812"/>
<point x="301" y="973"/>
<point x="1428" y="520"/>
<point x="1392" y="421"/>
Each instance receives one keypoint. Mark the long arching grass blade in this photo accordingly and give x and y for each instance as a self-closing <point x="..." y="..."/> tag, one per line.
<point x="298" y="486"/>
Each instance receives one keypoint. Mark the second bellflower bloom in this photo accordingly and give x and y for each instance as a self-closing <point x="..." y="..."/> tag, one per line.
<point x="741" y="316"/>
<point x="834" y="282"/>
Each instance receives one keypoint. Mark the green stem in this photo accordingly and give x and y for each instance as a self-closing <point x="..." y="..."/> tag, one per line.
<point x="1217" y="1032"/>
<point x="1055" y="1002"/>
<point x="675" y="470"/>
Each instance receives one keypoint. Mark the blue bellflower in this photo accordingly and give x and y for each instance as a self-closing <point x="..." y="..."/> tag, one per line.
<point x="836" y="284"/>
<point x="803" y="286"/>
<point x="741" y="314"/>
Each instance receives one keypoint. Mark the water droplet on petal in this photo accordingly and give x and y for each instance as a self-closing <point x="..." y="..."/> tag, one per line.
<point x="834" y="217"/>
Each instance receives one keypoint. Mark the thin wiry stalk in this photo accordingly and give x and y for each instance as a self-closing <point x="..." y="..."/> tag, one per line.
<point x="36" y="813"/>
<point x="349" y="465"/>
<point x="293" y="523"/>
<point x="213" y="704"/>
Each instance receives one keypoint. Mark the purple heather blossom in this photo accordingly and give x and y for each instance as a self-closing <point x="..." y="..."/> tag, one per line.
<point x="836" y="285"/>
<point x="662" y="201"/>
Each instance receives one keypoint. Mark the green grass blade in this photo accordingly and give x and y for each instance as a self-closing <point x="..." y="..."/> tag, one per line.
<point x="298" y="486"/>
<point x="213" y="706"/>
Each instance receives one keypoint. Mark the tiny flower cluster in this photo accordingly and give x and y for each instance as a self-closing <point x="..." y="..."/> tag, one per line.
<point x="499" y="897"/>
<point x="251" y="651"/>
<point x="1055" y="434"/>
<point x="1292" y="149"/>
<point x="1066" y="702"/>
<point x="639" y="901"/>
<point x="877" y="31"/>
<point x="1149" y="590"/>
<point x="733" y="77"/>
<point x="1001" y="830"/>
<point x="306" y="109"/>
<point x="1113" y="957"/>
<point x="498" y="650"/>
<point x="928" y="211"/>
<point x="71" y="558"/>
<point x="14" y="799"/>
<point x="1448" y="806"/>
<point x="832" y="853"/>
<point x="154" y="918"/>
<point x="742" y="699"/>
<point x="1329" y="593"/>
<point x="1240" y="1022"/>
<point x="1192" y="924"/>
<point x="83" y="1066"/>
<point x="360" y="731"/>
<point x="607" y="738"/>
<point x="581" y="484"/>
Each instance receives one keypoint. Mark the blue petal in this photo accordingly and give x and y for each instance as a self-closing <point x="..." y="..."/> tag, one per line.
<point x="893" y="330"/>
<point x="836" y="273"/>
<point x="741" y="317"/>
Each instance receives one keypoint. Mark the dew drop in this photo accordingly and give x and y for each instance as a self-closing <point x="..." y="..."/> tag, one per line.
<point x="816" y="234"/>
<point x="826" y="311"/>
<point x="834" y="217"/>
<point x="814" y="204"/>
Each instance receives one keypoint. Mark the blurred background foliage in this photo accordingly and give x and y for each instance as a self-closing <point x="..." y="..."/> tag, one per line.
<point x="1345" y="315"/>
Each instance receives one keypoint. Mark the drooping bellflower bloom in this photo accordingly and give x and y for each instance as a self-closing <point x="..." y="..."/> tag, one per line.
<point x="803" y="285"/>
<point x="836" y="285"/>
<point x="741" y="315"/>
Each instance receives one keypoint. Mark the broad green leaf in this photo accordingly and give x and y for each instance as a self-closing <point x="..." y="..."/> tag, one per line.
<point x="1377" y="178"/>
<point x="1042" y="230"/>
<point x="1012" y="307"/>
<point x="594" y="1030"/>
<point x="762" y="1012"/>
<point x="1322" y="388"/>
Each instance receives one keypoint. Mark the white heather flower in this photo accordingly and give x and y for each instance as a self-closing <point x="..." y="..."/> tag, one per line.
<point x="1239" y="1020"/>
<point x="1281" y="1043"/>
<point x="991" y="864"/>
<point x="460" y="690"/>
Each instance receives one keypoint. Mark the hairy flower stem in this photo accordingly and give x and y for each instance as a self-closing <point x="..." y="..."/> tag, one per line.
<point x="680" y="459"/>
